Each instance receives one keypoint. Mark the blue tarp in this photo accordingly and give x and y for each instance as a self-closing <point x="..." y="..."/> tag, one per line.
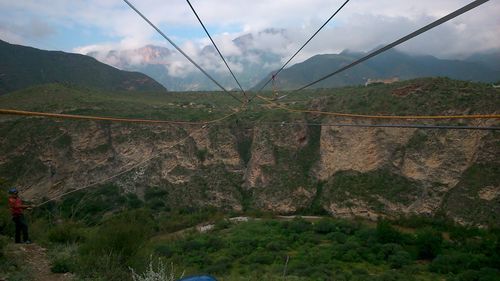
<point x="198" y="278"/>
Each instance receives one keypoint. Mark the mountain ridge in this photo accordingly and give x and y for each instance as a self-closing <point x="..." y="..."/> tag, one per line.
<point x="248" y="62"/>
<point x="390" y="64"/>
<point x="253" y="63"/>
<point x="23" y="66"/>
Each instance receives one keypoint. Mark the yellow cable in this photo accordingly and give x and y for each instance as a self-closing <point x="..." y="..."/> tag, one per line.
<point x="475" y="116"/>
<point x="96" y="118"/>
<point x="113" y="119"/>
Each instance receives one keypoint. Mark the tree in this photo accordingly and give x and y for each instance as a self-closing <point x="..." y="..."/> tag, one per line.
<point x="428" y="242"/>
<point x="386" y="233"/>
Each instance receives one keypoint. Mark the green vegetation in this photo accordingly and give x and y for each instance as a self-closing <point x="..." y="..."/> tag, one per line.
<point x="348" y="250"/>
<point x="469" y="198"/>
<point x="321" y="250"/>
<point x="63" y="141"/>
<point x="77" y="100"/>
<point x="243" y="140"/>
<point x="100" y="232"/>
<point x="430" y="96"/>
<point x="202" y="154"/>
<point x="421" y="96"/>
<point x="88" y="239"/>
<point x="293" y="168"/>
<point x="370" y="187"/>
<point x="88" y="206"/>
<point x="24" y="66"/>
<point x="418" y="140"/>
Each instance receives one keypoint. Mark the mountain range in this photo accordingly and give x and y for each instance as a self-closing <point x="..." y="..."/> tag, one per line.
<point x="22" y="67"/>
<point x="254" y="64"/>
<point x="248" y="61"/>
<point x="391" y="64"/>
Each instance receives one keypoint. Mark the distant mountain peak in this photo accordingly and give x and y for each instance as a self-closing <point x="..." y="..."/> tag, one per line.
<point x="351" y="53"/>
<point x="244" y="41"/>
<point x="273" y="31"/>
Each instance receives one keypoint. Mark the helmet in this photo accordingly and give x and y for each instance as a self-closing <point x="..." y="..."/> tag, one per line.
<point x="13" y="191"/>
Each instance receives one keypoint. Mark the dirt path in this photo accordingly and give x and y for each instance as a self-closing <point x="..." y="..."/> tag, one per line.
<point x="35" y="259"/>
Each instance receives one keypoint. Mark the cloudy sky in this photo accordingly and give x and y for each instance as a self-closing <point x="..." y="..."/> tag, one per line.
<point x="89" y="25"/>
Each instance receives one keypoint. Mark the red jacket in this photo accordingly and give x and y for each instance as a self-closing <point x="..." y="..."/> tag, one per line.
<point x="15" y="205"/>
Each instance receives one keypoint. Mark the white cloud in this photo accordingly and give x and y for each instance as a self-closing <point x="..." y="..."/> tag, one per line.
<point x="361" y="25"/>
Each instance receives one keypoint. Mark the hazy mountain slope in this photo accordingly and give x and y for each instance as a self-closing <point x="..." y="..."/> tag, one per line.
<point x="387" y="65"/>
<point x="21" y="67"/>
<point x="491" y="59"/>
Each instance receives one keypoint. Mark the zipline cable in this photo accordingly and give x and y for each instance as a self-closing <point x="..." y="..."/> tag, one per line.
<point x="128" y="169"/>
<point x="116" y="175"/>
<point x="363" y="116"/>
<point x="218" y="51"/>
<point x="307" y="42"/>
<point x="426" y="28"/>
<point x="112" y="119"/>
<point x="180" y="50"/>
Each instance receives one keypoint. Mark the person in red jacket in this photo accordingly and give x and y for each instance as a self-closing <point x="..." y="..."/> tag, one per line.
<point x="16" y="209"/>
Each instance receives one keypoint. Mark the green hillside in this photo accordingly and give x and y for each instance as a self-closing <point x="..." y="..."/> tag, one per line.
<point x="22" y="67"/>
<point x="390" y="64"/>
<point x="427" y="96"/>
<point x="72" y="99"/>
<point x="401" y="204"/>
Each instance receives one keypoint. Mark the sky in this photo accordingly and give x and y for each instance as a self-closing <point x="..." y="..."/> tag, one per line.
<point x="101" y="25"/>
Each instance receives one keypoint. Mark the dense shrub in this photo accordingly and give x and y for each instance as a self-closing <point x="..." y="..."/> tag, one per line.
<point x="325" y="226"/>
<point x="276" y="246"/>
<point x="222" y="224"/>
<point x="388" y="250"/>
<point x="298" y="225"/>
<point x="399" y="259"/>
<point x="260" y="257"/>
<point x="66" y="232"/>
<point x="386" y="233"/>
<point x="329" y="249"/>
<point x="428" y="242"/>
<point x="394" y="276"/>
<point x="114" y="244"/>
<point x="164" y="250"/>
<point x="348" y="227"/>
<point x="62" y="265"/>
<point x="337" y="237"/>
<point x="3" y="242"/>
<point x="485" y="274"/>
<point x="455" y="262"/>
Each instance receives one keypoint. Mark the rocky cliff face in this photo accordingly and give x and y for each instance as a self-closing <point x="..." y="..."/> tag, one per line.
<point x="367" y="172"/>
<point x="419" y="169"/>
